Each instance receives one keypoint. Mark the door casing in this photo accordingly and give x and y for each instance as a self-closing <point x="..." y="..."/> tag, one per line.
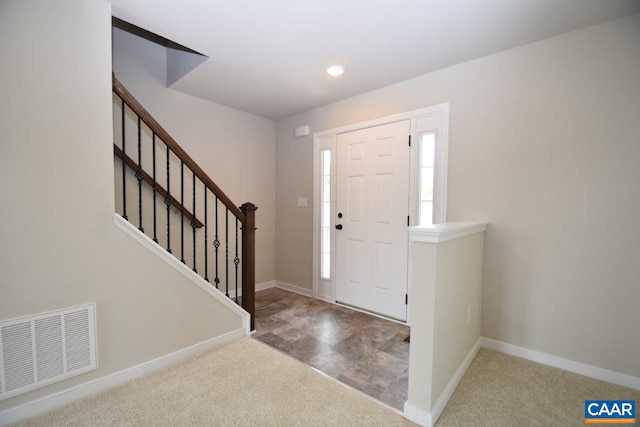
<point x="428" y="119"/>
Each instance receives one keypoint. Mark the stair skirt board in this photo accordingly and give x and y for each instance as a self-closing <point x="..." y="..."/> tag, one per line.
<point x="159" y="251"/>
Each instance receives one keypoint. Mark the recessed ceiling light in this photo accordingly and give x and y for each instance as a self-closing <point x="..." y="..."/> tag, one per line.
<point x="335" y="70"/>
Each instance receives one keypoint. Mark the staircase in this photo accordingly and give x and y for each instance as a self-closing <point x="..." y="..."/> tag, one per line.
<point x="201" y="226"/>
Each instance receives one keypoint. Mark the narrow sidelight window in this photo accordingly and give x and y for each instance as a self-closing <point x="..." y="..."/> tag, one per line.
<point x="325" y="220"/>
<point x="427" y="177"/>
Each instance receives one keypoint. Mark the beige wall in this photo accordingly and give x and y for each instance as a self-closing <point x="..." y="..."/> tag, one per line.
<point x="543" y="145"/>
<point x="458" y="285"/>
<point x="236" y="149"/>
<point x="423" y="298"/>
<point x="60" y="245"/>
<point x="446" y="278"/>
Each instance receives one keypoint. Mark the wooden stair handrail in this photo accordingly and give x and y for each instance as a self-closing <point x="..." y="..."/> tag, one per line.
<point x="159" y="189"/>
<point x="245" y="213"/>
<point x="171" y="143"/>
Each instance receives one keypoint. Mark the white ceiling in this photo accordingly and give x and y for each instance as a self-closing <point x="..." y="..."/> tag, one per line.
<point x="269" y="57"/>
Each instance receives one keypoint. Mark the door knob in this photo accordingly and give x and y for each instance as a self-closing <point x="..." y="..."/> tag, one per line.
<point x="338" y="226"/>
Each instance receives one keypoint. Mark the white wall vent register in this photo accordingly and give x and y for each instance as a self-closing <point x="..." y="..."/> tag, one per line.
<point x="45" y="348"/>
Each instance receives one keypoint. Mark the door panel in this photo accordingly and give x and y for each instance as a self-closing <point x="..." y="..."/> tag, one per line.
<point x="373" y="196"/>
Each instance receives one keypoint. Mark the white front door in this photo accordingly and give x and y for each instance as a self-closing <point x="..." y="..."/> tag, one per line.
<point x="372" y="209"/>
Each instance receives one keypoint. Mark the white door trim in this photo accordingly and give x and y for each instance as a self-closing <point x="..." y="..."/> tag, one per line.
<point x="422" y="121"/>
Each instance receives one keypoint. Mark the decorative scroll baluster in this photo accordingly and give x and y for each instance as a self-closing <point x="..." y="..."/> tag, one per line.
<point x="206" y="249"/>
<point x="155" y="231"/>
<point x="167" y="201"/>
<point x="124" y="178"/>
<point x="139" y="178"/>
<point x="216" y="244"/>
<point x="182" y="211"/>
<point x="236" y="260"/>
<point x="193" y="223"/>
<point x="226" y="251"/>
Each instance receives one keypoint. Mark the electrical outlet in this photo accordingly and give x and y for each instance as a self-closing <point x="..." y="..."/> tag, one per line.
<point x="468" y="314"/>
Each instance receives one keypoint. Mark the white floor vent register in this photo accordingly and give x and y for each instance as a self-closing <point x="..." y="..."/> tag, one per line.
<point x="45" y="348"/>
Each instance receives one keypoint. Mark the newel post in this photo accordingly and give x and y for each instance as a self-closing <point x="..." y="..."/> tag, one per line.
<point x="249" y="261"/>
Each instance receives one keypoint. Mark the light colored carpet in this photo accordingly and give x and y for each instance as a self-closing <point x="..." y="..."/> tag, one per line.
<point x="248" y="383"/>
<point x="244" y="383"/>
<point x="501" y="390"/>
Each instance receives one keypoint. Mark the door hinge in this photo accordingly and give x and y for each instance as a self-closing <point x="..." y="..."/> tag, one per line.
<point x="406" y="299"/>
<point x="408" y="221"/>
<point x="409" y="140"/>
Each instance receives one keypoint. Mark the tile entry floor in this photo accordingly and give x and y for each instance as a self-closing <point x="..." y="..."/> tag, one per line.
<point x="366" y="352"/>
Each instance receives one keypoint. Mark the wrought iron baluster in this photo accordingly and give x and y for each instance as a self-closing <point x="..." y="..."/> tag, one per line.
<point x="206" y="248"/>
<point x="193" y="223"/>
<point x="139" y="177"/>
<point x="124" y="165"/>
<point x="155" y="231"/>
<point x="167" y="201"/>
<point x="226" y="251"/>
<point x="236" y="260"/>
<point x="182" y="211"/>
<point x="216" y="244"/>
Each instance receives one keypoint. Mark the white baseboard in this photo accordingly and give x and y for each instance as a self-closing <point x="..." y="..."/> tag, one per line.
<point x="265" y="285"/>
<point x="444" y="398"/>
<point x="293" y="288"/>
<point x="259" y="287"/>
<point x="326" y="298"/>
<point x="12" y="415"/>
<point x="424" y="418"/>
<point x="284" y="285"/>
<point x="324" y="291"/>
<point x="417" y="415"/>
<point x="275" y="284"/>
<point x="561" y="363"/>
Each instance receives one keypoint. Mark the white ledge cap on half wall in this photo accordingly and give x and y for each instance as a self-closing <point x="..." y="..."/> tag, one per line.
<point x="438" y="233"/>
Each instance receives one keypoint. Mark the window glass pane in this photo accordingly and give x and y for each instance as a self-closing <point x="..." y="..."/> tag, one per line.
<point x="427" y="176"/>
<point x="427" y="150"/>
<point x="325" y="215"/>
<point x="326" y="162"/>
<point x="326" y="188"/>
<point x="326" y="268"/>
<point x="426" y="184"/>
<point x="326" y="211"/>
<point x="426" y="213"/>
<point x="326" y="240"/>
